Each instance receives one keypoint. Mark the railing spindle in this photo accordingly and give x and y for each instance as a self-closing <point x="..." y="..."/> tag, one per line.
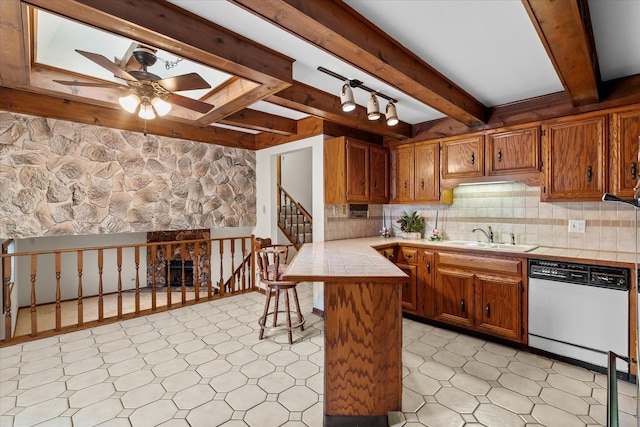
<point x="80" y="307"/>
<point x="221" y="281"/>
<point x="58" y="292"/>
<point x="169" y="257"/>
<point x="154" y="257"/>
<point x="137" y="261"/>
<point x="8" y="287"/>
<point x="210" y="274"/>
<point x="34" y="314"/>
<point x="183" y="277"/>
<point x="119" y="266"/>
<point x="232" y="285"/>
<point x="100" y="285"/>
<point x="196" y="271"/>
<point x="244" y="266"/>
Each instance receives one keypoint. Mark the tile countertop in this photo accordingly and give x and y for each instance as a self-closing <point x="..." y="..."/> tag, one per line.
<point x="353" y="258"/>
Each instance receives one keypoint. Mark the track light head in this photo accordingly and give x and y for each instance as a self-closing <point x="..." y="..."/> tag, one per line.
<point x="373" y="107"/>
<point x="346" y="98"/>
<point x="391" y="114"/>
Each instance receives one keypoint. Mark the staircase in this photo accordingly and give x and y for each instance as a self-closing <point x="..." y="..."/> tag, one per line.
<point x="293" y="220"/>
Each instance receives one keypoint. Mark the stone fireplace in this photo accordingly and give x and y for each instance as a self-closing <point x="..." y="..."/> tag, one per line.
<point x="170" y="260"/>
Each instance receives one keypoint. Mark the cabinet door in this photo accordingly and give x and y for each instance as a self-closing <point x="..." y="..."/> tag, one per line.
<point x="625" y="167"/>
<point x="454" y="299"/>
<point x="499" y="306"/>
<point x="357" y="171"/>
<point x="402" y="158"/>
<point x="426" y="284"/>
<point x="463" y="158"/>
<point x="575" y="159"/>
<point x="378" y="174"/>
<point x="427" y="172"/>
<point x="513" y="152"/>
<point x="409" y="288"/>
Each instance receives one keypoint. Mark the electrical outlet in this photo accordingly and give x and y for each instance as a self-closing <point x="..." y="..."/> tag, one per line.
<point x="577" y="226"/>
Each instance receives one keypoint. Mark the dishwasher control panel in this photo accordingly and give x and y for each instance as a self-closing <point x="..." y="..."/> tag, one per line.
<point x="583" y="274"/>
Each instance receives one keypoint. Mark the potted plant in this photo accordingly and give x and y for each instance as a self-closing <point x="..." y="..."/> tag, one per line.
<point x="411" y="225"/>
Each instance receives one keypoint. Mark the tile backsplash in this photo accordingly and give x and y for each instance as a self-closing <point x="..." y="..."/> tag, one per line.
<point x="508" y="208"/>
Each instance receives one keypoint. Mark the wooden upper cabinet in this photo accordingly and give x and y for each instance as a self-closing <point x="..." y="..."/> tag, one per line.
<point x="574" y="160"/>
<point x="513" y="152"/>
<point x="427" y="172"/>
<point x="463" y="157"/>
<point x="378" y="174"/>
<point x="624" y="162"/>
<point x="402" y="173"/>
<point x="355" y="172"/>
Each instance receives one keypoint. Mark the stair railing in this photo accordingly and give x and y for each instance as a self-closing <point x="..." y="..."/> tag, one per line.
<point x="293" y="218"/>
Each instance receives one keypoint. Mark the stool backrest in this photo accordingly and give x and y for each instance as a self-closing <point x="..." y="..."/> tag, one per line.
<point x="271" y="259"/>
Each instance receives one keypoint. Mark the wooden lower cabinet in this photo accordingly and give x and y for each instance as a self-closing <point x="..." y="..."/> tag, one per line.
<point x="484" y="294"/>
<point x="409" y="288"/>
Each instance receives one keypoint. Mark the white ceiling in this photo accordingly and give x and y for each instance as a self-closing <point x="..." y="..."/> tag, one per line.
<point x="488" y="47"/>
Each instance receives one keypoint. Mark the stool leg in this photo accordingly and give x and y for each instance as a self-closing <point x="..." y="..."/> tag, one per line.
<point x="275" y="308"/>
<point x="286" y="300"/>
<point x="300" y="318"/>
<point x="263" y="320"/>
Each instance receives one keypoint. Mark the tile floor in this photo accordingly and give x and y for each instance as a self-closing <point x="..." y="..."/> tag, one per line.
<point x="203" y="365"/>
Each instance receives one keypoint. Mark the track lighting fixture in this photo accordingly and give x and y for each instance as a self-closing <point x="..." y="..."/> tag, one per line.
<point x="346" y="98"/>
<point x="391" y="114"/>
<point x="347" y="101"/>
<point x="373" y="108"/>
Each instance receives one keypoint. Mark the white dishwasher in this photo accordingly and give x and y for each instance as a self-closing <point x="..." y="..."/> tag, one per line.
<point x="580" y="312"/>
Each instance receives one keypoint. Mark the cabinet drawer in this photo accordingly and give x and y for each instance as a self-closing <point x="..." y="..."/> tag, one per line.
<point x="499" y="265"/>
<point x="408" y="255"/>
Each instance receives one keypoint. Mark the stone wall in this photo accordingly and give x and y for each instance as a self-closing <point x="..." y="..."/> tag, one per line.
<point x="65" y="178"/>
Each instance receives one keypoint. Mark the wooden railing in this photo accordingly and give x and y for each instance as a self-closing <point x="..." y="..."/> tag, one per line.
<point x="218" y="267"/>
<point x="293" y="219"/>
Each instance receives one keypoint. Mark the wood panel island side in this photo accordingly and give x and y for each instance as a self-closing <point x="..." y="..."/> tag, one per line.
<point x="363" y="330"/>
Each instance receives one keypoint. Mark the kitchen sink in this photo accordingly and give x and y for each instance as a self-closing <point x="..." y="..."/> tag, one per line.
<point x="504" y="247"/>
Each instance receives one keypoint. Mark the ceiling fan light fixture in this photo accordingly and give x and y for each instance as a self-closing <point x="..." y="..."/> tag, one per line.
<point x="146" y="111"/>
<point x="373" y="107"/>
<point x="391" y="114"/>
<point x="161" y="106"/>
<point x="130" y="102"/>
<point x="346" y="98"/>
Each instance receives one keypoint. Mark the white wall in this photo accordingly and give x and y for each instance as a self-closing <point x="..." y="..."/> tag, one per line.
<point x="295" y="176"/>
<point x="266" y="199"/>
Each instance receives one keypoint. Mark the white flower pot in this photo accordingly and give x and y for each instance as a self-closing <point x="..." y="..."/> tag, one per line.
<point x="411" y="235"/>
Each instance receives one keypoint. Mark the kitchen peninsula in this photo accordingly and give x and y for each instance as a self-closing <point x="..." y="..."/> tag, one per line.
<point x="363" y="329"/>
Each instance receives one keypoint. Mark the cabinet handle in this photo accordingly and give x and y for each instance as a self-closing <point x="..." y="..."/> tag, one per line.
<point x="405" y="184"/>
<point x="488" y="309"/>
<point x="429" y="268"/>
<point x="499" y="155"/>
<point x="634" y="170"/>
<point x="408" y="256"/>
<point x="362" y="184"/>
<point x="462" y="307"/>
<point x="473" y="158"/>
<point x="589" y="174"/>
<point x="422" y="183"/>
<point x="375" y="184"/>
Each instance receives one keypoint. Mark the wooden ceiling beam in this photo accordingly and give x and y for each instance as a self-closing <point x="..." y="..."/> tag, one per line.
<point x="263" y="122"/>
<point x="341" y="31"/>
<point x="310" y="100"/>
<point x="564" y="27"/>
<point x="13" y="51"/>
<point x="23" y="102"/>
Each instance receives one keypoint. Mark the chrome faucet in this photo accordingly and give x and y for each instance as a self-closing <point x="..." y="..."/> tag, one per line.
<point x="489" y="235"/>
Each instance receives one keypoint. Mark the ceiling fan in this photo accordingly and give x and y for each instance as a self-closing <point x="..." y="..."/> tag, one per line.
<point x="150" y="94"/>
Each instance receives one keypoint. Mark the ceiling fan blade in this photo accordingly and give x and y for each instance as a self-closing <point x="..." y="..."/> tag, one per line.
<point x="189" y="81"/>
<point x="105" y="63"/>
<point x="191" y="104"/>
<point x="111" y="85"/>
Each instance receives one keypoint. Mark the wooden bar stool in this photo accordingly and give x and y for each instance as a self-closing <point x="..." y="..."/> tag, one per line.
<point x="271" y="260"/>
